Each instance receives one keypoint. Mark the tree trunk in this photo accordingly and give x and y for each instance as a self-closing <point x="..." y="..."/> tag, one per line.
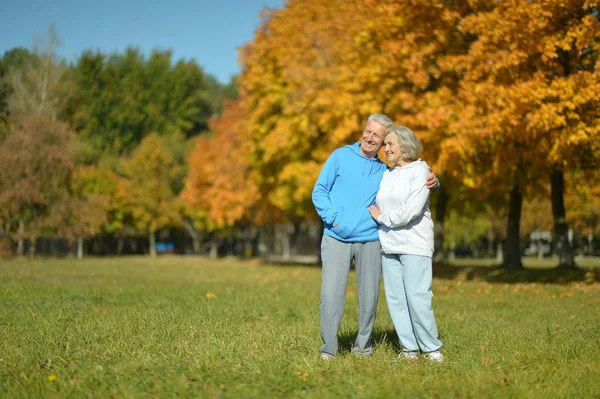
<point x="512" y="252"/>
<point x="196" y="245"/>
<point x="240" y="240"/>
<point x="294" y="230"/>
<point x="440" y="214"/>
<point x="53" y="247"/>
<point x="120" y="245"/>
<point x="152" y="240"/>
<point x="452" y="247"/>
<point x="214" y="246"/>
<point x="21" y="238"/>
<point x="562" y="246"/>
<point x="229" y="244"/>
<point x="79" y="248"/>
<point x="32" y="247"/>
<point x="250" y="240"/>
<point x="500" y="252"/>
<point x="277" y="248"/>
<point x="490" y="244"/>
<point x="196" y="237"/>
<point x="284" y="239"/>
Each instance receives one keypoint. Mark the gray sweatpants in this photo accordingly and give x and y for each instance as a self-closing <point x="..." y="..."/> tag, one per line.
<point x="337" y="258"/>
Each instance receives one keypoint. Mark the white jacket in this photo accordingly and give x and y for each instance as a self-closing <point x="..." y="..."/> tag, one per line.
<point x="405" y="224"/>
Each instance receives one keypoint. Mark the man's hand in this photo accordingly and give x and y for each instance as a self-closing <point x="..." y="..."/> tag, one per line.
<point x="375" y="212"/>
<point x="432" y="181"/>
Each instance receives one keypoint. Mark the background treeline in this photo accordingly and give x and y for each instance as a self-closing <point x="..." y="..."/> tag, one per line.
<point x="115" y="149"/>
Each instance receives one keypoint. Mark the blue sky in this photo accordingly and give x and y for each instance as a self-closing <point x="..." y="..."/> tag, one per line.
<point x="206" y="31"/>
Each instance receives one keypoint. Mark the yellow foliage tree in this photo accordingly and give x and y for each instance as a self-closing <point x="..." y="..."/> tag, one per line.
<point x="528" y="102"/>
<point x="148" y="188"/>
<point x="315" y="71"/>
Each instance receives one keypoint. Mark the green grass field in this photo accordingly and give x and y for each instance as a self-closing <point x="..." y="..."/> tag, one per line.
<point x="195" y="327"/>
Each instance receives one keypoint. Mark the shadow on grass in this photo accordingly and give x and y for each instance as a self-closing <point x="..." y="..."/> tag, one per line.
<point x="296" y="260"/>
<point x="379" y="337"/>
<point x="491" y="274"/>
<point x="500" y="274"/>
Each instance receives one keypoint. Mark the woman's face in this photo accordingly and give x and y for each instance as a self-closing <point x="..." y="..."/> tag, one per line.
<point x="392" y="148"/>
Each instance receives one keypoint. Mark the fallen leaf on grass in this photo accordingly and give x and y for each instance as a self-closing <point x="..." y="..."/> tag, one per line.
<point x="301" y="376"/>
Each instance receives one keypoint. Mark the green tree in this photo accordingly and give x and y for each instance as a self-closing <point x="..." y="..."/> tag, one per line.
<point x="15" y="58"/>
<point x="94" y="205"/>
<point x="121" y="98"/>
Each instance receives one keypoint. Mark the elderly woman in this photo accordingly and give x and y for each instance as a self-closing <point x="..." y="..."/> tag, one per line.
<point x="406" y="236"/>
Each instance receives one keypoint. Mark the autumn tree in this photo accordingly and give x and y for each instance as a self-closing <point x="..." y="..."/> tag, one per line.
<point x="298" y="93"/>
<point x="94" y="205"/>
<point x="411" y="41"/>
<point x="563" y="100"/>
<point x="36" y="161"/>
<point x="219" y="190"/>
<point x="315" y="71"/>
<point x="149" y="188"/>
<point x="525" y="108"/>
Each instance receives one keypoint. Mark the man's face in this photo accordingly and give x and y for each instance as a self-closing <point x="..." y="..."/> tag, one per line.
<point x="372" y="139"/>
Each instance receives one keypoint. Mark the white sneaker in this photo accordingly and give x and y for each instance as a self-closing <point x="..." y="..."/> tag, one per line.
<point x="404" y="356"/>
<point x="435" y="356"/>
<point x="407" y="355"/>
<point x="326" y="356"/>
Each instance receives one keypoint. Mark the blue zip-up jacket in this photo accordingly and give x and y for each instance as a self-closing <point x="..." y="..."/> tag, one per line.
<point x="346" y="186"/>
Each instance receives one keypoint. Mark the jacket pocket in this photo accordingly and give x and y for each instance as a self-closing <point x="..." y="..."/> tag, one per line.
<point x="339" y="226"/>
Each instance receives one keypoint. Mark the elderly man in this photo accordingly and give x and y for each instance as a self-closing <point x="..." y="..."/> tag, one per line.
<point x="346" y="187"/>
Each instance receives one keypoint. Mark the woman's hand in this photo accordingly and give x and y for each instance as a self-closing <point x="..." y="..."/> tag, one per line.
<point x="375" y="212"/>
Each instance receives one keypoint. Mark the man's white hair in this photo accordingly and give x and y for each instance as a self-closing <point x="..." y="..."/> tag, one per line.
<point x="381" y="119"/>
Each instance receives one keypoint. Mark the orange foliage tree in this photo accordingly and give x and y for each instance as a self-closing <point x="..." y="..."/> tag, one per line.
<point x="528" y="102"/>
<point x="478" y="81"/>
<point x="218" y="190"/>
<point x="413" y="40"/>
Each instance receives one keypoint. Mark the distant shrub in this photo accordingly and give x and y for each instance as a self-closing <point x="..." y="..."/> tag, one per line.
<point x="5" y="248"/>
